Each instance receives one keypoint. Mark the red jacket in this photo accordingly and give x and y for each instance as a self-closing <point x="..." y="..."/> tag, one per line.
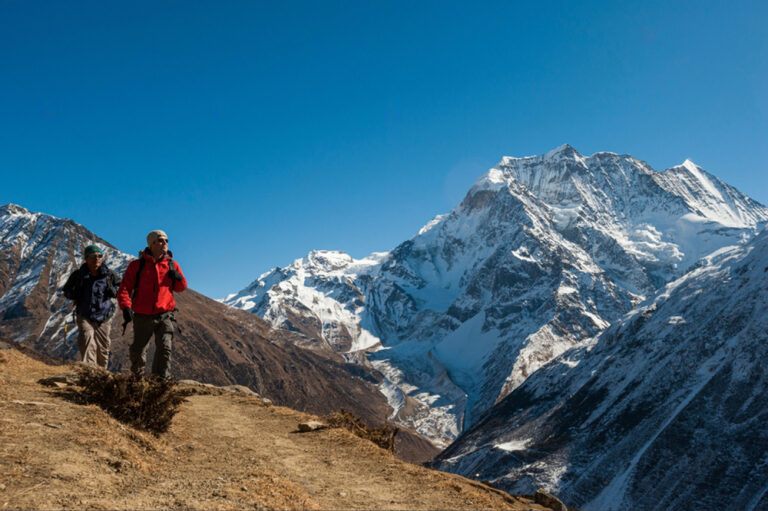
<point x="154" y="293"/>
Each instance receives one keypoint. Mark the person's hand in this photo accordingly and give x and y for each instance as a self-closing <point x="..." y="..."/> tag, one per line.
<point x="175" y="275"/>
<point x="127" y="314"/>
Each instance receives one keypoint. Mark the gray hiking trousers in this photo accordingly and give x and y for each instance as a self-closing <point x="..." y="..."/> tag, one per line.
<point x="161" y="325"/>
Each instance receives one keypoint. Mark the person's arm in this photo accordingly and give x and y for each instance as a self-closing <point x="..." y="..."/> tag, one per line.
<point x="178" y="278"/>
<point x="69" y="286"/>
<point x="126" y="286"/>
<point x="113" y="284"/>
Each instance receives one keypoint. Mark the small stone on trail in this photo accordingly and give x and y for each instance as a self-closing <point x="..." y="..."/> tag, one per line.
<point x="60" y="380"/>
<point x="311" y="426"/>
<point x="189" y="382"/>
<point x="31" y="403"/>
<point x="240" y="389"/>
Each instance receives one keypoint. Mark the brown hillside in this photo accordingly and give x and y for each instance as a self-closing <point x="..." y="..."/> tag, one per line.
<point x="222" y="452"/>
<point x="216" y="344"/>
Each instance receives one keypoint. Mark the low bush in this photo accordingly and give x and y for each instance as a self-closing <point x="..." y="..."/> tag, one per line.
<point x="383" y="436"/>
<point x="147" y="404"/>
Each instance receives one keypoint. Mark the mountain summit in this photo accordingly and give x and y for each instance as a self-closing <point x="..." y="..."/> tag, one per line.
<point x="544" y="252"/>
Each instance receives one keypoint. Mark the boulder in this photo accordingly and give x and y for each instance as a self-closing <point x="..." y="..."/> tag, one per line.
<point x="305" y="427"/>
<point x="240" y="389"/>
<point x="543" y="498"/>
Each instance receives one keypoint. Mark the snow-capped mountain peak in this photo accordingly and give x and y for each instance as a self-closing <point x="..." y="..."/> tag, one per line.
<point x="565" y="151"/>
<point x="542" y="253"/>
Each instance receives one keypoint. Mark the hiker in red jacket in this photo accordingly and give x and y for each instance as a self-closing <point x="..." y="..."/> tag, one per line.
<point x="146" y="297"/>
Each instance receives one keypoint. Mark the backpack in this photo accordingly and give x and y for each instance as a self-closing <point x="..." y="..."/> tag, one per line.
<point x="73" y="288"/>
<point x="142" y="263"/>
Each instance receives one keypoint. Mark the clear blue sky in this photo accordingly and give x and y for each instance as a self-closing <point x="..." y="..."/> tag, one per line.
<point x="253" y="133"/>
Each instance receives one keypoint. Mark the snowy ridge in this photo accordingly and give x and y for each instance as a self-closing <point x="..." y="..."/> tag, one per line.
<point x="651" y="408"/>
<point x="324" y="279"/>
<point x="542" y="253"/>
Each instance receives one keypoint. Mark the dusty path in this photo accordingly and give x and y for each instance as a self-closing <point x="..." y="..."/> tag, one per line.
<point x="222" y="452"/>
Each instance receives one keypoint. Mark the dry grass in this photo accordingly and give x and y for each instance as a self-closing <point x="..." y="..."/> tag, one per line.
<point x="145" y="404"/>
<point x="383" y="436"/>
<point x="222" y="452"/>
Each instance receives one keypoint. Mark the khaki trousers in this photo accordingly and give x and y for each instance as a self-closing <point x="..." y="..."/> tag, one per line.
<point x="93" y="341"/>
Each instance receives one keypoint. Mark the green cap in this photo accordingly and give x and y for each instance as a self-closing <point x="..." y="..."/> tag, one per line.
<point x="91" y="249"/>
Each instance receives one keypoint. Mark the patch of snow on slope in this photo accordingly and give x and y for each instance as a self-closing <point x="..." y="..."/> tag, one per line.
<point x="565" y="215"/>
<point x="523" y="254"/>
<point x="513" y="445"/>
<point x="432" y="223"/>
<point x="676" y="320"/>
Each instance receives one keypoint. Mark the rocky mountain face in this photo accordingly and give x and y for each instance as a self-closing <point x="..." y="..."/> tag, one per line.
<point x="216" y="344"/>
<point x="666" y="409"/>
<point x="542" y="253"/>
<point x="37" y="254"/>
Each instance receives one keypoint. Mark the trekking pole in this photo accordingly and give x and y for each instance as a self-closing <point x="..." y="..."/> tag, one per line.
<point x="66" y="329"/>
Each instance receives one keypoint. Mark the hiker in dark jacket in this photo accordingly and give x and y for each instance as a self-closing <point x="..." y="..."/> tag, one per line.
<point x="93" y="288"/>
<point x="146" y="297"/>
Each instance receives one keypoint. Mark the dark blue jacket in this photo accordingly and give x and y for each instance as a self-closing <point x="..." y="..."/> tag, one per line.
<point x="93" y="294"/>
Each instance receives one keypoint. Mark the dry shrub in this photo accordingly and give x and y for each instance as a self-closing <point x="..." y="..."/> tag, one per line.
<point x="383" y="436"/>
<point x="145" y="404"/>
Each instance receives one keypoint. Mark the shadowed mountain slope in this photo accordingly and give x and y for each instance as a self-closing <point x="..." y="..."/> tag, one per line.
<point x="667" y="409"/>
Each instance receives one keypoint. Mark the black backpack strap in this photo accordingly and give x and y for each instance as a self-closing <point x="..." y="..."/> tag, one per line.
<point x="142" y="262"/>
<point x="113" y="283"/>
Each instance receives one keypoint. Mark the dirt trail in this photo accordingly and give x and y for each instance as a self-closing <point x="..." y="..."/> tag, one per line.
<point x="222" y="452"/>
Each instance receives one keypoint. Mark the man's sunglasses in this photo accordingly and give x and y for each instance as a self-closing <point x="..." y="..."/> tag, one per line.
<point x="97" y="256"/>
<point x="162" y="240"/>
